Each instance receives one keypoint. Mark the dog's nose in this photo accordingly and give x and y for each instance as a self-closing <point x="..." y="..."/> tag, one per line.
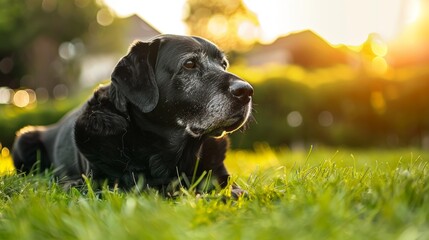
<point x="241" y="90"/>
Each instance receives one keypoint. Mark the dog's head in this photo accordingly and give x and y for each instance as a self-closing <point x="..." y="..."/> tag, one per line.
<point x="182" y="82"/>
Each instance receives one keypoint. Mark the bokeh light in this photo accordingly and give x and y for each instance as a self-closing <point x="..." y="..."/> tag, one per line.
<point x="32" y="98"/>
<point x="379" y="48"/>
<point x="218" y="25"/>
<point x="67" y="51"/>
<point x="248" y="32"/>
<point x="6" y="95"/>
<point x="61" y="92"/>
<point x="49" y="5"/>
<point x="5" y="152"/>
<point x="379" y="65"/>
<point x="6" y="163"/>
<point x="325" y="119"/>
<point x="21" y="98"/>
<point x="104" y="17"/>
<point x="294" y="119"/>
<point x="42" y="95"/>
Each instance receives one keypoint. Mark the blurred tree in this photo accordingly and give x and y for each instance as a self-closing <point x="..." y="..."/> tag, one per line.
<point x="23" y="21"/>
<point x="228" y="23"/>
<point x="42" y="39"/>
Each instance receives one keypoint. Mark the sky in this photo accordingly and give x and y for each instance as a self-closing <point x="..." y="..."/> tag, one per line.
<point x="338" y="21"/>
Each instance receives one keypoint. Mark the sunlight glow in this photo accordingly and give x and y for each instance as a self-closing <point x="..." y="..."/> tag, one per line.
<point x="338" y="21"/>
<point x="164" y="15"/>
<point x="413" y="12"/>
<point x="123" y="8"/>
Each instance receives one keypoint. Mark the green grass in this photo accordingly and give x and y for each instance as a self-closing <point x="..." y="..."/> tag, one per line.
<point x="312" y="194"/>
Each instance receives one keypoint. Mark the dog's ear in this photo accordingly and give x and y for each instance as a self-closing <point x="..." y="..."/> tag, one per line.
<point x="134" y="77"/>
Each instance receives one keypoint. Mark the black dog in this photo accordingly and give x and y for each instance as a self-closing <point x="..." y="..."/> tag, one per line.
<point x="165" y="114"/>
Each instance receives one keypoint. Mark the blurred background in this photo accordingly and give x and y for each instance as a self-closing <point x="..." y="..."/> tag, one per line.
<point x="333" y="73"/>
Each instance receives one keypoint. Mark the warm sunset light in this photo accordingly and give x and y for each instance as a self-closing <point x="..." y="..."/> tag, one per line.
<point x="338" y="21"/>
<point x="214" y="119"/>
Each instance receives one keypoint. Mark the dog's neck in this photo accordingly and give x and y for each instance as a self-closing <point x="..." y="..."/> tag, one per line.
<point x="183" y="149"/>
<point x="148" y="125"/>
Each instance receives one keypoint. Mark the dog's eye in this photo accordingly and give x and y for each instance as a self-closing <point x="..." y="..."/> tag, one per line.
<point x="190" y="64"/>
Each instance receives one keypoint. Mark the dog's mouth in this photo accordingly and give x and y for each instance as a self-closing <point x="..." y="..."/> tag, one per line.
<point x="216" y="128"/>
<point x="236" y="125"/>
<point x="219" y="130"/>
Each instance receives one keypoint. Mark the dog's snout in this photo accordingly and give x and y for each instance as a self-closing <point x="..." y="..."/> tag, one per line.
<point x="241" y="90"/>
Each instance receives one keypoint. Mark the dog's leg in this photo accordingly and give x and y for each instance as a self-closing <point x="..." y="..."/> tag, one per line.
<point x="99" y="133"/>
<point x="211" y="159"/>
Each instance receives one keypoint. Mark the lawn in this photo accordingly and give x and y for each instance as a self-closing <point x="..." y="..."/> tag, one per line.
<point x="316" y="193"/>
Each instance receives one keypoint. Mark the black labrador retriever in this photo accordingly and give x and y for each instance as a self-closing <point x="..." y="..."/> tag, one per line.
<point x="165" y="114"/>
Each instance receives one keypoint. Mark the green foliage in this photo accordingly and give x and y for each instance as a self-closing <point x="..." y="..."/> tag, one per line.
<point x="13" y="118"/>
<point x="320" y="194"/>
<point x="34" y="32"/>
<point x="365" y="110"/>
<point x="22" y="21"/>
<point x="32" y="19"/>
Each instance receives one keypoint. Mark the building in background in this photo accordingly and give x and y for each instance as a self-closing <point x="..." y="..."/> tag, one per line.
<point x="48" y="66"/>
<point x="97" y="67"/>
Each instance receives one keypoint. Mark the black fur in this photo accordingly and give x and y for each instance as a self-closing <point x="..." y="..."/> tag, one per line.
<point x="169" y="105"/>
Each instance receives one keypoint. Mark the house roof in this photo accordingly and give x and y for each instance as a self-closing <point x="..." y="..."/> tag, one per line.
<point x="139" y="29"/>
<point x="304" y="48"/>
